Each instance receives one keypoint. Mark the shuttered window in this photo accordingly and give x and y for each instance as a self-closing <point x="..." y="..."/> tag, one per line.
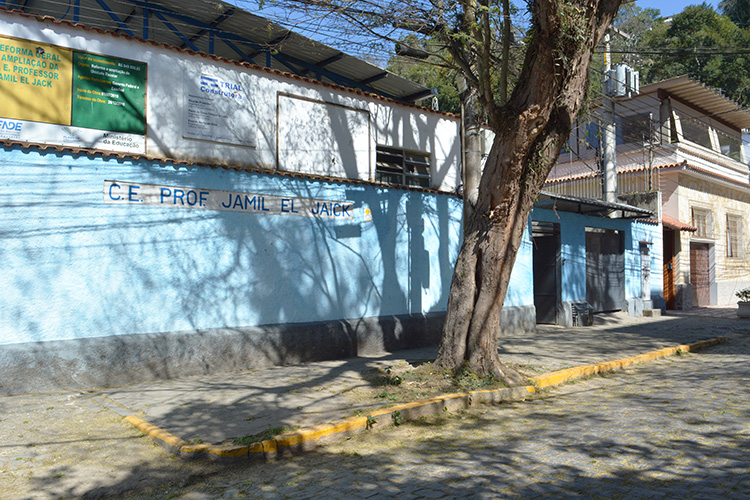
<point x="702" y="221"/>
<point x="734" y="236"/>
<point x="405" y="168"/>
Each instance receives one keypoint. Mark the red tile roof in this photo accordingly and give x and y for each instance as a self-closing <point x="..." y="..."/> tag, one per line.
<point x="672" y="223"/>
<point x="178" y="163"/>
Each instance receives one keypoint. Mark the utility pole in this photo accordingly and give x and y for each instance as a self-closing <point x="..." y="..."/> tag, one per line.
<point x="472" y="147"/>
<point x="609" y="159"/>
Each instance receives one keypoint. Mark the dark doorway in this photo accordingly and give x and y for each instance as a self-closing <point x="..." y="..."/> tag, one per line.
<point x="605" y="269"/>
<point x="546" y="239"/>
<point x="669" y="291"/>
<point x="699" y="274"/>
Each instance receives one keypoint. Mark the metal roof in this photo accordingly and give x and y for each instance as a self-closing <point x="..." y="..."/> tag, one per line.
<point x="589" y="206"/>
<point x="224" y="30"/>
<point x="711" y="103"/>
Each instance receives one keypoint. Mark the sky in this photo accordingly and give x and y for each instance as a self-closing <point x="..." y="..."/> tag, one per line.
<point x="671" y="7"/>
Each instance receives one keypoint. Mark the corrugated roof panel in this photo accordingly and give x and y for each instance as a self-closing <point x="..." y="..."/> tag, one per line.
<point x="710" y="101"/>
<point x="298" y="51"/>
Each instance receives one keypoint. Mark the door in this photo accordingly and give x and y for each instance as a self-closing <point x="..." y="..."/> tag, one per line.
<point x="669" y="291"/>
<point x="699" y="274"/>
<point x="645" y="271"/>
<point x="546" y="239"/>
<point x="605" y="269"/>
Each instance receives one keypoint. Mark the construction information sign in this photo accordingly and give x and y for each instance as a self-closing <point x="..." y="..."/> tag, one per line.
<point x="132" y="193"/>
<point x="55" y="95"/>
<point x="109" y="94"/>
<point x="218" y="108"/>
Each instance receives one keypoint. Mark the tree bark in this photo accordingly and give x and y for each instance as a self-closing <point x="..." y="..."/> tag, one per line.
<point x="530" y="130"/>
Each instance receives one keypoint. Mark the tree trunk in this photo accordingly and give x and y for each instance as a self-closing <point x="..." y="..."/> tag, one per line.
<point x="530" y="129"/>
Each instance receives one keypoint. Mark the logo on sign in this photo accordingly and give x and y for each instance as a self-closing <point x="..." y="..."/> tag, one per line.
<point x="11" y="126"/>
<point x="211" y="85"/>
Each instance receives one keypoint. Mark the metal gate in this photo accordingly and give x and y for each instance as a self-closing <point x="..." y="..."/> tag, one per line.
<point x="546" y="238"/>
<point x="605" y="269"/>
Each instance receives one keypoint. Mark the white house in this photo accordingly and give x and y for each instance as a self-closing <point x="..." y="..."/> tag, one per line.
<point x="685" y="142"/>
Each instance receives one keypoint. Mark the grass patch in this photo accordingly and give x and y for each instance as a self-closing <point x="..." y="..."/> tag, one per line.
<point x="404" y="382"/>
<point x="267" y="434"/>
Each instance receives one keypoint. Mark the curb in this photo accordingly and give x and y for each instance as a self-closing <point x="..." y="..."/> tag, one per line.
<point x="562" y="376"/>
<point x="302" y="440"/>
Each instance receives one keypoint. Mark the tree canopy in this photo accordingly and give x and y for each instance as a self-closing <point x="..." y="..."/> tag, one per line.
<point x="712" y="47"/>
<point x="738" y="11"/>
<point x="704" y="44"/>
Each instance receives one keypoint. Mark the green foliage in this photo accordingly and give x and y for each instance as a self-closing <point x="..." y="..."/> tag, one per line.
<point x="433" y="74"/>
<point x="397" y="418"/>
<point x="683" y="42"/>
<point x="738" y="11"/>
<point x="743" y="295"/>
<point x="386" y="395"/>
<point x="466" y="379"/>
<point x="260" y="436"/>
<point x="390" y="378"/>
<point x="439" y="71"/>
<point x="637" y="23"/>
<point x="371" y="421"/>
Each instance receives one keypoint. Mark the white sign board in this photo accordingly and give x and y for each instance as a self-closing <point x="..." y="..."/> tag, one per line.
<point x="322" y="138"/>
<point x="218" y="109"/>
<point x="65" y="135"/>
<point x="132" y="193"/>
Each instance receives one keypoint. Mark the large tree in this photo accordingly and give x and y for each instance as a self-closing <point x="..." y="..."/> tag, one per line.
<point x="530" y="130"/>
<point x="530" y="127"/>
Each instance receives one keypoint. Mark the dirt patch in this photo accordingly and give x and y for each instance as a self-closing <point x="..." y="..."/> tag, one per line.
<point x="413" y="380"/>
<point x="64" y="445"/>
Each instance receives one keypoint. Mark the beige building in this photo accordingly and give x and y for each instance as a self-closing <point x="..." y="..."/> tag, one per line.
<point x="685" y="143"/>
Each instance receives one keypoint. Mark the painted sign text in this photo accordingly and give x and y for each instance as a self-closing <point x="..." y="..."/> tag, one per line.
<point x="131" y="193"/>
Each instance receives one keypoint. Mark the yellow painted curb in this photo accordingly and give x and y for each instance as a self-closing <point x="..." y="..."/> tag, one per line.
<point x="561" y="376"/>
<point x="169" y="441"/>
<point x="306" y="439"/>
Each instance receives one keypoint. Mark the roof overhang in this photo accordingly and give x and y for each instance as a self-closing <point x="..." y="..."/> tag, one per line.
<point x="710" y="103"/>
<point x="588" y="206"/>
<point x="672" y="223"/>
<point x="218" y="28"/>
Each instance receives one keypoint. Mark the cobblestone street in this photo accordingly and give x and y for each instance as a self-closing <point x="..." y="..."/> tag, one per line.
<point x="675" y="428"/>
<point x="678" y="427"/>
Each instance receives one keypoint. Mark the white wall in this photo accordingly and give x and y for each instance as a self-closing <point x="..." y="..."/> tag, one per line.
<point x="285" y="122"/>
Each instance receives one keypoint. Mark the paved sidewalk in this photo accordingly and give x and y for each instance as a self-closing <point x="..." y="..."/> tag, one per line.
<point x="215" y="408"/>
<point x="674" y="428"/>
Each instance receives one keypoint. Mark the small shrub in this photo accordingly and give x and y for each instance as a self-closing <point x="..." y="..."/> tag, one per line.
<point x="397" y="418"/>
<point x="743" y="295"/>
<point x="390" y="378"/>
<point x="386" y="395"/>
<point x="261" y="436"/>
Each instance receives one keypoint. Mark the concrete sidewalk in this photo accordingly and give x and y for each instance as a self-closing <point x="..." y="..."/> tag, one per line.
<point x="216" y="408"/>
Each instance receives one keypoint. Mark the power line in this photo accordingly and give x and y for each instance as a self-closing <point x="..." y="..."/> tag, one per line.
<point x="679" y="51"/>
